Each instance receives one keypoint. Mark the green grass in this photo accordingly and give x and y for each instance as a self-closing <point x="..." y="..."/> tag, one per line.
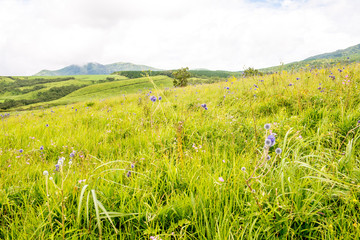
<point x="186" y="179"/>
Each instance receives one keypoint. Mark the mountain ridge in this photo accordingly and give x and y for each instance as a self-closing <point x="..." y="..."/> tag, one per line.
<point x="94" y="68"/>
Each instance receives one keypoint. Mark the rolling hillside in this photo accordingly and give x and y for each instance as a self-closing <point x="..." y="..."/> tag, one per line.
<point x="343" y="56"/>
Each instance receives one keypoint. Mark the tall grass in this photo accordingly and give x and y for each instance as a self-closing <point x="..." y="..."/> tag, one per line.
<point x="172" y="170"/>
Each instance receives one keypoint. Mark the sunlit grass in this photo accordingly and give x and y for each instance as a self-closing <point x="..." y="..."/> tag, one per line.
<point x="173" y="170"/>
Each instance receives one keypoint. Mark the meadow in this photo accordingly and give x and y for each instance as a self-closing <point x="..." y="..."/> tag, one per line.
<point x="270" y="157"/>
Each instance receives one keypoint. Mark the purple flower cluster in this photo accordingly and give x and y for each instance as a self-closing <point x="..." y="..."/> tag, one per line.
<point x="153" y="98"/>
<point x="204" y="106"/>
<point x="272" y="140"/>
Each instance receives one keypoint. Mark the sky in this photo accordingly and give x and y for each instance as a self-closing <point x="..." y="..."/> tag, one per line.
<point x="170" y="34"/>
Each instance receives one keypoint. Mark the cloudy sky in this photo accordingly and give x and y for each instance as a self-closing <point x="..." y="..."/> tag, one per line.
<point x="169" y="34"/>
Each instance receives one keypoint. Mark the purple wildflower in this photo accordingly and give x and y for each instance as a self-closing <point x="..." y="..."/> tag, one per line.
<point x="203" y="105"/>
<point x="272" y="139"/>
<point x="42" y="148"/>
<point x="21" y="151"/>
<point x="153" y="98"/>
<point x="160" y="98"/>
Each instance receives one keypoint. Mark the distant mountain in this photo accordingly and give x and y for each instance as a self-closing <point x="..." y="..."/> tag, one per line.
<point x="95" y="69"/>
<point x="346" y="56"/>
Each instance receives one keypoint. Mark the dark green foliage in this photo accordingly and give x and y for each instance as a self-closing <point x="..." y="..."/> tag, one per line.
<point x="139" y="74"/>
<point x="252" y="72"/>
<point x="49" y="95"/>
<point x="18" y="83"/>
<point x="181" y="77"/>
<point x="213" y="74"/>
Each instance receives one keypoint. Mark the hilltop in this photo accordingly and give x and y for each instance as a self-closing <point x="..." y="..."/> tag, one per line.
<point x="95" y="69"/>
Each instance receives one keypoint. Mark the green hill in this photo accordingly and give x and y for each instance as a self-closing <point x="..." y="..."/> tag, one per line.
<point x="343" y="56"/>
<point x="350" y="52"/>
<point x="95" y="69"/>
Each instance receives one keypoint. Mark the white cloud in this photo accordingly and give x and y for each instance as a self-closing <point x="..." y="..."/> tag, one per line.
<point x="214" y="34"/>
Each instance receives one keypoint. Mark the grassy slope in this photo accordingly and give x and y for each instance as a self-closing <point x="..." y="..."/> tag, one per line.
<point x="186" y="179"/>
<point x="326" y="60"/>
<point x="108" y="89"/>
<point x="79" y="80"/>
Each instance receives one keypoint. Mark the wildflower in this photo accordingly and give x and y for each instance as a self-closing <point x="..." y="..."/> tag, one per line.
<point x="267" y="126"/>
<point x="45" y="173"/>
<point x="72" y="154"/>
<point x="255" y="85"/>
<point x="61" y="161"/>
<point x="243" y="169"/>
<point x="278" y="150"/>
<point x="50" y="178"/>
<point x="21" y="151"/>
<point x="268" y="142"/>
<point x="42" y="148"/>
<point x="268" y="157"/>
<point x="290" y="84"/>
<point x="358" y="121"/>
<point x="153" y="98"/>
<point x="297" y="78"/>
<point x="203" y="105"/>
<point x="128" y="174"/>
<point x="57" y="166"/>
<point x="253" y="190"/>
<point x="272" y="139"/>
<point x="221" y="179"/>
<point x="70" y="162"/>
<point x="132" y="165"/>
<point x="160" y="98"/>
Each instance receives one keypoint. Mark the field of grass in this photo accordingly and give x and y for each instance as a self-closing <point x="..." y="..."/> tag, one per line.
<point x="130" y="168"/>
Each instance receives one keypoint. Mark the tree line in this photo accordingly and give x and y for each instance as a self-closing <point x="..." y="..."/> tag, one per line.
<point x="49" y="95"/>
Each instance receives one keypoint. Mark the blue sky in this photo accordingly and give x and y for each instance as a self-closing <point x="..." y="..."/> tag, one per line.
<point x="213" y="34"/>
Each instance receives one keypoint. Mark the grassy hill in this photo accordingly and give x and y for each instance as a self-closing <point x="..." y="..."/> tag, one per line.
<point x="21" y="93"/>
<point x="189" y="166"/>
<point x="24" y="91"/>
<point x="342" y="57"/>
<point x="353" y="52"/>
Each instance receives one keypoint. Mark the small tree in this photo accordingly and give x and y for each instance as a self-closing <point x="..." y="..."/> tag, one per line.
<point x="181" y="77"/>
<point x="252" y="72"/>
